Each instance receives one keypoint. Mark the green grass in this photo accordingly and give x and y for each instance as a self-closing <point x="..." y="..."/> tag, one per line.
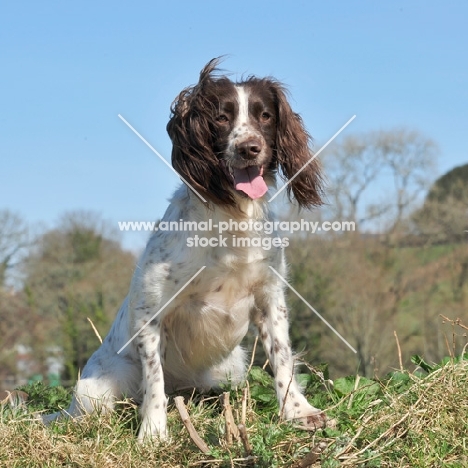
<point x="406" y="420"/>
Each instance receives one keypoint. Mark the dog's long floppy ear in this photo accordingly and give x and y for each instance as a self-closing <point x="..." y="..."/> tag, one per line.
<point x="192" y="130"/>
<point x="295" y="158"/>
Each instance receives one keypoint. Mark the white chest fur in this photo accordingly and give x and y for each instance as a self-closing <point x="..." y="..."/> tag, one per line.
<point x="207" y="317"/>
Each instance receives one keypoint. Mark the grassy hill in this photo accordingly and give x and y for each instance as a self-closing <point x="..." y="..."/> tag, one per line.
<point x="404" y="420"/>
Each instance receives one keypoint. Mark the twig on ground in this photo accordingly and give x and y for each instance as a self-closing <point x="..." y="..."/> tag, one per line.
<point x="199" y="442"/>
<point x="245" y="394"/>
<point x="245" y="439"/>
<point x="311" y="457"/>
<point x="231" y="428"/>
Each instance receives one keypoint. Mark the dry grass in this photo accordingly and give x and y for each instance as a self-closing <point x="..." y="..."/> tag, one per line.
<point x="408" y="420"/>
<point x="109" y="440"/>
<point x="424" y="426"/>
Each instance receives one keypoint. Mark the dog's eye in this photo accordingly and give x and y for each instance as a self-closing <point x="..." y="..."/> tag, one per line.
<point x="265" y="117"/>
<point x="222" y="118"/>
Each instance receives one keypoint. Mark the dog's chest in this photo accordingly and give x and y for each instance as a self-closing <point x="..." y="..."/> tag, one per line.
<point x="211" y="316"/>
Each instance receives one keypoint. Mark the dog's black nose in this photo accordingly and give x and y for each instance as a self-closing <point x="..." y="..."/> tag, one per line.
<point x="249" y="149"/>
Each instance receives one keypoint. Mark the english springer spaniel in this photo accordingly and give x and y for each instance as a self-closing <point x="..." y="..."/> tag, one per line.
<point x="229" y="141"/>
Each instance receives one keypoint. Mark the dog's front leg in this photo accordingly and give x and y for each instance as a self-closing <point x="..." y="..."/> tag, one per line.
<point x="273" y="326"/>
<point x="154" y="407"/>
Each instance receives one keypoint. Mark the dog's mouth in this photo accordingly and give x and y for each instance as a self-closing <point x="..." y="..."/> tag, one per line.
<point x="250" y="181"/>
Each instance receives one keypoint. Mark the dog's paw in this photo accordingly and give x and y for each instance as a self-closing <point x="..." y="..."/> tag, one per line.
<point x="152" y="430"/>
<point x="154" y="437"/>
<point x="313" y="421"/>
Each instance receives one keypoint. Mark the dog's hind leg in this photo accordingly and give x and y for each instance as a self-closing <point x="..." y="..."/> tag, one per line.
<point x="104" y="380"/>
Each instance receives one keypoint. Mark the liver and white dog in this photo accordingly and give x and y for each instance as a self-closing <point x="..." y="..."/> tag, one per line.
<point x="229" y="141"/>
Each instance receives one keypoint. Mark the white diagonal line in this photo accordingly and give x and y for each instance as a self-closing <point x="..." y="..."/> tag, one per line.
<point x="160" y="157"/>
<point x="312" y="309"/>
<point x="312" y="158"/>
<point x="161" y="309"/>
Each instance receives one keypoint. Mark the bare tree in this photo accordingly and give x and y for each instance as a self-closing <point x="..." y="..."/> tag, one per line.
<point x="13" y="242"/>
<point x="351" y="169"/>
<point x="410" y="157"/>
<point x="358" y="171"/>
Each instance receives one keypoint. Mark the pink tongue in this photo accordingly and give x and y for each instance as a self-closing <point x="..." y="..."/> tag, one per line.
<point x="250" y="181"/>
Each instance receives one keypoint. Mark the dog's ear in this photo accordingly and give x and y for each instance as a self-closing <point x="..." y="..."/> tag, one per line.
<point x="295" y="158"/>
<point x="192" y="130"/>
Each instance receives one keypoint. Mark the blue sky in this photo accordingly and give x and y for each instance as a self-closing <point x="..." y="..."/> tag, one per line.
<point x="69" y="68"/>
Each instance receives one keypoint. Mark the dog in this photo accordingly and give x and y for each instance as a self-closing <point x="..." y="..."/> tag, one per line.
<point x="189" y="307"/>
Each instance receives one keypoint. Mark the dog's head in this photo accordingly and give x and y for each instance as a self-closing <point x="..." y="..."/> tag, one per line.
<point x="229" y="139"/>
